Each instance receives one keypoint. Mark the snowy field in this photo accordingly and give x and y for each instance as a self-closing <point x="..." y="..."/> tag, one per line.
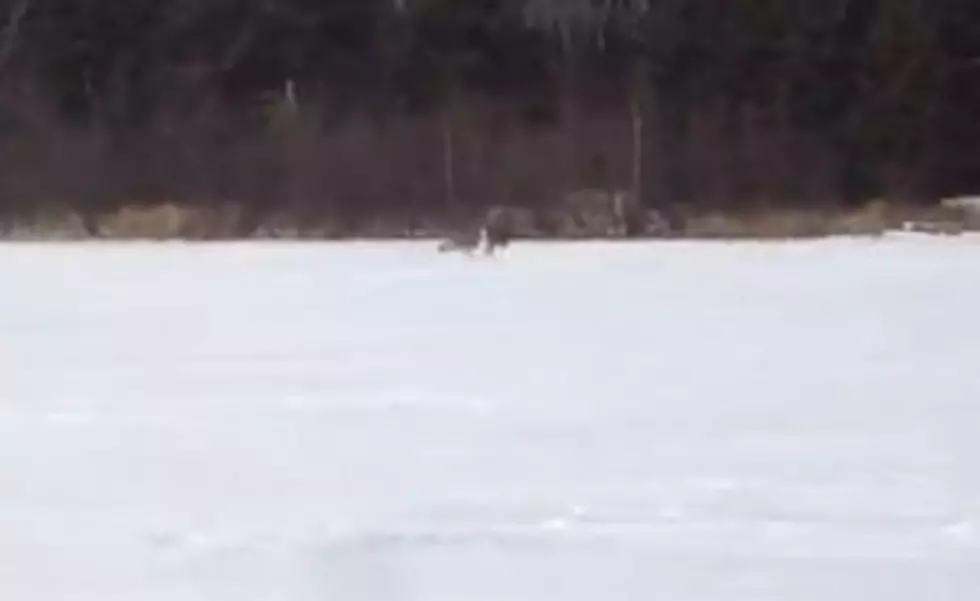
<point x="365" y="421"/>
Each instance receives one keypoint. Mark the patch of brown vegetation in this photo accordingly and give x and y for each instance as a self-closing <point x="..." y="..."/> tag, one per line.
<point x="872" y="219"/>
<point x="168" y="221"/>
<point x="50" y="223"/>
<point x="181" y="221"/>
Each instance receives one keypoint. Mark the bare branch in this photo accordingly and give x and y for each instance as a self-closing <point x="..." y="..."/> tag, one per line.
<point x="12" y="30"/>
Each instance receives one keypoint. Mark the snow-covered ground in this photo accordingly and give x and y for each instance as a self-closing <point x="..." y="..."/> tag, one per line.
<point x="675" y="421"/>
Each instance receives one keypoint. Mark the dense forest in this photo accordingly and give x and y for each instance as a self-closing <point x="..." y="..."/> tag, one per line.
<point x="403" y="109"/>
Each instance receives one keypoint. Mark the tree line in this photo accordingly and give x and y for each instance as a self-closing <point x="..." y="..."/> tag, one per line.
<point x="409" y="109"/>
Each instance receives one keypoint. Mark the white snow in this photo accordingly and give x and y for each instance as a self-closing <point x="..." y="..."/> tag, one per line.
<point x="672" y="421"/>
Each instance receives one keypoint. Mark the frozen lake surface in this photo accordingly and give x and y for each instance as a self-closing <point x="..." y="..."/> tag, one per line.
<point x="376" y="421"/>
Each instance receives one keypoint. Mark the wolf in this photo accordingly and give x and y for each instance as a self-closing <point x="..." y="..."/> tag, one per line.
<point x="494" y="232"/>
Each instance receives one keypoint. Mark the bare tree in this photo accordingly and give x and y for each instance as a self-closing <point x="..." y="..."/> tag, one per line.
<point x="586" y="22"/>
<point x="11" y="30"/>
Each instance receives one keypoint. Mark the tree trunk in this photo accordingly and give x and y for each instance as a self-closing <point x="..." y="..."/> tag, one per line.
<point x="637" y="87"/>
<point x="631" y="208"/>
<point x="637" y="167"/>
<point x="449" y="160"/>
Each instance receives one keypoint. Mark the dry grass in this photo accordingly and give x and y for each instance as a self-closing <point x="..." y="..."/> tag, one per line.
<point x="50" y="223"/>
<point x="174" y="221"/>
<point x="169" y="221"/>
<point x="873" y="219"/>
<point x="937" y="228"/>
<point x="283" y="226"/>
